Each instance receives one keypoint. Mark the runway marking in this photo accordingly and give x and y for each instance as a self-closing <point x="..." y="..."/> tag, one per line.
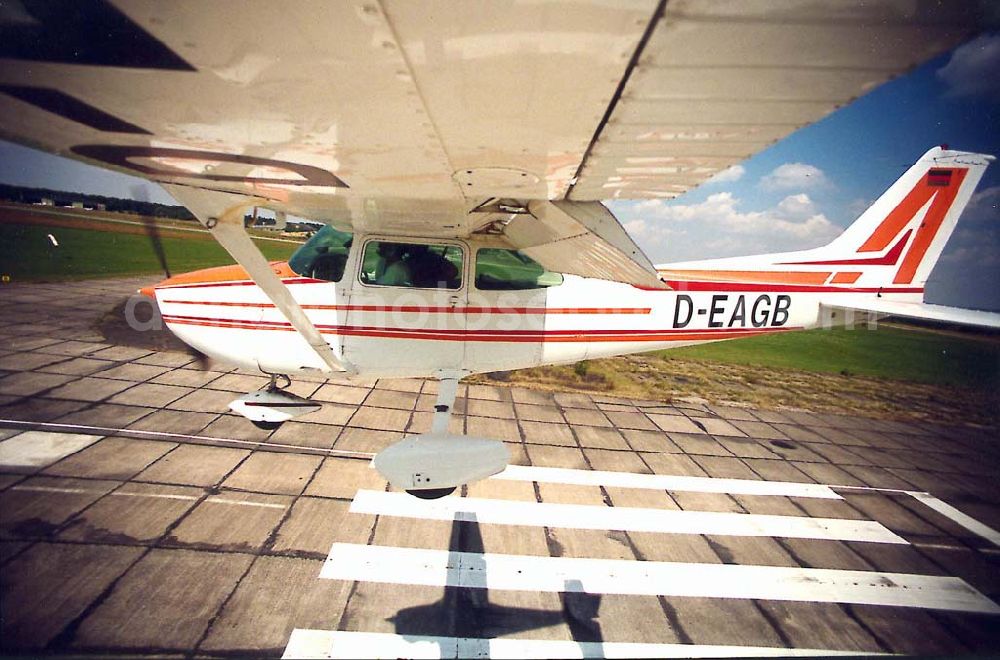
<point x="184" y="437"/>
<point x="54" y="489"/>
<point x="439" y="568"/>
<point x="556" y="475"/>
<point x="80" y="491"/>
<point x="305" y="643"/>
<point x="665" y="482"/>
<point x="629" y="519"/>
<point x="164" y="496"/>
<point x="953" y="514"/>
<point x="40" y="448"/>
<point x="266" y="505"/>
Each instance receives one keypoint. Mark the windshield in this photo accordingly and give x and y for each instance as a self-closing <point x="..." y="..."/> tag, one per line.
<point x="323" y="256"/>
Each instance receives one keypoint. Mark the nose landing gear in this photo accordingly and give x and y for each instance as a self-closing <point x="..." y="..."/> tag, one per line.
<point x="272" y="406"/>
<point x="433" y="465"/>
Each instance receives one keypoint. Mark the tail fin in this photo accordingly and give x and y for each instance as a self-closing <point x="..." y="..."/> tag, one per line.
<point x="897" y="241"/>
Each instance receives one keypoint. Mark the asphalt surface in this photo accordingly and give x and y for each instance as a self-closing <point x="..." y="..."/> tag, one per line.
<point x="138" y="516"/>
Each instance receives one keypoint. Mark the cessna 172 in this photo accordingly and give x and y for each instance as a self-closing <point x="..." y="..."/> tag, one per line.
<point x="457" y="153"/>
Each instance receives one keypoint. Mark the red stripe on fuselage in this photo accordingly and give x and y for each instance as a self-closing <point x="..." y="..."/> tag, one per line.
<point x="725" y="287"/>
<point x="430" y="309"/>
<point x="499" y="336"/>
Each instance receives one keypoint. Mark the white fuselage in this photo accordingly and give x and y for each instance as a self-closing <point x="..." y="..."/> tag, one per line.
<point x="409" y="332"/>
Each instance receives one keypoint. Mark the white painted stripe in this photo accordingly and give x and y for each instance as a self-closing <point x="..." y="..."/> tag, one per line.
<point x="78" y="491"/>
<point x="42" y="448"/>
<point x="966" y="521"/>
<point x="305" y="643"/>
<point x="266" y="505"/>
<point x="665" y="482"/>
<point x="628" y="519"/>
<point x="163" y="496"/>
<point x="182" y="437"/>
<point x="54" y="489"/>
<point x="439" y="568"/>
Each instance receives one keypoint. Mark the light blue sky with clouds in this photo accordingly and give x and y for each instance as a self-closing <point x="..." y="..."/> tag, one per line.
<point x="804" y="190"/>
<point x="799" y="193"/>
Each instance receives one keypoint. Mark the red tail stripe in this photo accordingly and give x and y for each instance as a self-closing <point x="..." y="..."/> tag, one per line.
<point x="929" y="228"/>
<point x="888" y="259"/>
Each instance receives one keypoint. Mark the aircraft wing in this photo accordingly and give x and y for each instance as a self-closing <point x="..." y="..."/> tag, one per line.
<point x="925" y="311"/>
<point x="437" y="118"/>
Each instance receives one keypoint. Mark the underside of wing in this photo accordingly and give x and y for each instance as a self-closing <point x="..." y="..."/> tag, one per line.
<point x="716" y="82"/>
<point x="406" y="117"/>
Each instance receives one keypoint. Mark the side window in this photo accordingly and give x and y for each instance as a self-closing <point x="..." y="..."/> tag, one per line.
<point x="412" y="265"/>
<point x="509" y="270"/>
<point x="323" y="256"/>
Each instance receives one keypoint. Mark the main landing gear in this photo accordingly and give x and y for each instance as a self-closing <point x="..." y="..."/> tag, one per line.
<point x="428" y="466"/>
<point x="272" y="406"/>
<point x="432" y="465"/>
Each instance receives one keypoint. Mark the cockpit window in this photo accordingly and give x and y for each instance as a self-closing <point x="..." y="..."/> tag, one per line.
<point x="323" y="256"/>
<point x="509" y="270"/>
<point x="413" y="265"/>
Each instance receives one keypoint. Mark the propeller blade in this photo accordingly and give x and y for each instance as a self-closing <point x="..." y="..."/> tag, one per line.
<point x="139" y="193"/>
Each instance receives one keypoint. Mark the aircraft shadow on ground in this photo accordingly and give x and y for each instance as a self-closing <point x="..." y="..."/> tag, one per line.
<point x="466" y="612"/>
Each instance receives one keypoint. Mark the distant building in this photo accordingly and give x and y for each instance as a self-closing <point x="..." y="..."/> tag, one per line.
<point x="47" y="201"/>
<point x="77" y="205"/>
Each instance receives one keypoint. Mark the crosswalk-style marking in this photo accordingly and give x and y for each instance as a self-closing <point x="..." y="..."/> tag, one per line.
<point x="629" y="519"/>
<point x="373" y="563"/>
<point x="305" y="643"/>
<point x="478" y="570"/>
<point x="965" y="520"/>
<point x="34" y="449"/>
<point x="665" y="482"/>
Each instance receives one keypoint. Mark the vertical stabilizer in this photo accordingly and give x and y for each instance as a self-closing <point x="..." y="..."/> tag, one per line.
<point x="901" y="236"/>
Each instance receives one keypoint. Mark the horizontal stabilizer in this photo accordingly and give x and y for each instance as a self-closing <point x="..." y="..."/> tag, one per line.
<point x="918" y="310"/>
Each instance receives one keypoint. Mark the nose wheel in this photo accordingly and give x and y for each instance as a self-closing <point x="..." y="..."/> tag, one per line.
<point x="432" y="493"/>
<point x="435" y="464"/>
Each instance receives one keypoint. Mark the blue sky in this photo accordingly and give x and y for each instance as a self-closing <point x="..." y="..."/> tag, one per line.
<point x="799" y="193"/>
<point x="803" y="191"/>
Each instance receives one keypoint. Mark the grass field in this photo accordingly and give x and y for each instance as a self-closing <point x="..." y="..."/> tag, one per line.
<point x="27" y="253"/>
<point x="892" y="372"/>
<point x="890" y="351"/>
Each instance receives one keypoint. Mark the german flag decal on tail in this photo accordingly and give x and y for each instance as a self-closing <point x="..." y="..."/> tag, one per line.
<point x="939" y="178"/>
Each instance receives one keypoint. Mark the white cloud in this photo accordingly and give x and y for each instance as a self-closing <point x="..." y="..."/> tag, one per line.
<point x="794" y="175"/>
<point x="717" y="227"/>
<point x="728" y="175"/>
<point x="974" y="68"/>
<point x="796" y="206"/>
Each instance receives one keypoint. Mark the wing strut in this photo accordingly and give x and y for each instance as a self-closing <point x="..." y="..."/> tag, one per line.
<point x="222" y="214"/>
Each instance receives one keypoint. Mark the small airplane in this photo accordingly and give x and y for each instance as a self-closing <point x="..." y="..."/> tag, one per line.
<point x="457" y="154"/>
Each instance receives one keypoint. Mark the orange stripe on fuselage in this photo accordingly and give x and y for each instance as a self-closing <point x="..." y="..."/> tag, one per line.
<point x="216" y="275"/>
<point x="232" y="273"/>
<point x="764" y="277"/>
<point x="845" y="278"/>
